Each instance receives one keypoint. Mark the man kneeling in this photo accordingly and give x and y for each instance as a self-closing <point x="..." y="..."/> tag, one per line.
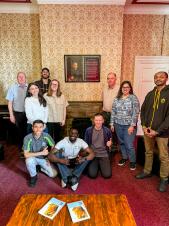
<point x="36" y="151"/>
<point x="67" y="156"/>
<point x="99" y="138"/>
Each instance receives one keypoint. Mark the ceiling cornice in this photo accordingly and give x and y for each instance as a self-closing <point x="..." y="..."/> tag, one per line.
<point x="84" y="2"/>
<point x="19" y="8"/>
<point x="147" y="9"/>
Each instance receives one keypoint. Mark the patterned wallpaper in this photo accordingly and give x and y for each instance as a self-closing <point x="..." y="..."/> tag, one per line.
<point x="143" y="36"/>
<point x="165" y="46"/>
<point x="70" y="29"/>
<point x="20" y="49"/>
<point x="79" y="29"/>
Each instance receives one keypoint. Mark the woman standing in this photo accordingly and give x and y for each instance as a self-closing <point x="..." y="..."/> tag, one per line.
<point x="124" y="117"/>
<point x="35" y="106"/>
<point x="57" y="109"/>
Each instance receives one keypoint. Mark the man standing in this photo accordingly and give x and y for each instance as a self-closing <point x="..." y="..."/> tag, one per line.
<point x="99" y="138"/>
<point x="108" y="94"/>
<point x="69" y="161"/>
<point x="155" y="124"/>
<point x="44" y="82"/>
<point x="16" y="98"/>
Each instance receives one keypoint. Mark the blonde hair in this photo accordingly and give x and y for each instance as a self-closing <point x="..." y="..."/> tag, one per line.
<point x="50" y="92"/>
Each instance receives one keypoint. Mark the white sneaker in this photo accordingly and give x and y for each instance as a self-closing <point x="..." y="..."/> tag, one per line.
<point x="74" y="187"/>
<point x="63" y="184"/>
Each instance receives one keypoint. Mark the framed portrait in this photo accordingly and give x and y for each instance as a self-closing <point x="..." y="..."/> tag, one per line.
<point x="82" y="68"/>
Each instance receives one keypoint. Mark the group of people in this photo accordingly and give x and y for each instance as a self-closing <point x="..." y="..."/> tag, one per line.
<point x="122" y="117"/>
<point x="43" y="105"/>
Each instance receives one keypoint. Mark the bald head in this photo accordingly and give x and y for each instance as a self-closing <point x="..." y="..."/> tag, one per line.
<point x="160" y="79"/>
<point x="111" y="79"/>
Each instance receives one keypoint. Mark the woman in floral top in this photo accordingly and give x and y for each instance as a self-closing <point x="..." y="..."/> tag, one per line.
<point x="124" y="117"/>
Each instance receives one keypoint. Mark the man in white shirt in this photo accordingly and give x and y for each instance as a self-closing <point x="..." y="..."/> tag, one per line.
<point x="69" y="161"/>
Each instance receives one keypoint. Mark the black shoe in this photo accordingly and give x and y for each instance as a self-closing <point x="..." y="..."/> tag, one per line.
<point x="33" y="181"/>
<point x="163" y="185"/>
<point x="132" y="165"/>
<point x="38" y="168"/>
<point x="143" y="175"/>
<point x="74" y="180"/>
<point x="21" y="155"/>
<point x="122" y="162"/>
<point x="69" y="180"/>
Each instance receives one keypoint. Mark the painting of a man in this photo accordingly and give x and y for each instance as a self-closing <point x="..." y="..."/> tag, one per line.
<point x="74" y="69"/>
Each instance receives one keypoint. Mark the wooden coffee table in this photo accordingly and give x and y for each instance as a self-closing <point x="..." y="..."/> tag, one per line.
<point x="103" y="209"/>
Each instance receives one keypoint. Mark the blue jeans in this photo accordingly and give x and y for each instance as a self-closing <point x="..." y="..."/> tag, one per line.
<point x="65" y="171"/>
<point x="45" y="165"/>
<point x="126" y="142"/>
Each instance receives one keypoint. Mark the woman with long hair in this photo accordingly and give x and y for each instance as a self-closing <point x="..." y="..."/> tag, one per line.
<point x="35" y="106"/>
<point x="124" y="117"/>
<point x="57" y="104"/>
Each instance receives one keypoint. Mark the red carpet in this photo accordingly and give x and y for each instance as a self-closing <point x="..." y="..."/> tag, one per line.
<point x="149" y="207"/>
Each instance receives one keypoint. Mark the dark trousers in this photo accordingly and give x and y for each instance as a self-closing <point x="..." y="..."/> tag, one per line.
<point x="102" y="164"/>
<point x="55" y="129"/>
<point x="21" y="124"/>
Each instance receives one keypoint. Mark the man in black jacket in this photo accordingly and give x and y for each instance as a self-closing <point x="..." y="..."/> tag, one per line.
<point x="155" y="124"/>
<point x="44" y="82"/>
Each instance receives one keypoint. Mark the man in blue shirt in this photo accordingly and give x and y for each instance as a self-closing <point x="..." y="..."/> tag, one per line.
<point x="16" y="102"/>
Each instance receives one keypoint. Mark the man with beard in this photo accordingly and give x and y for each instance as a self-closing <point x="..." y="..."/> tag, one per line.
<point x="44" y="82"/>
<point x="155" y="124"/>
<point x="69" y="161"/>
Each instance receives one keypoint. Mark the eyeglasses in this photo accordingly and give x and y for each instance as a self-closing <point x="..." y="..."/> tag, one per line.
<point x="54" y="84"/>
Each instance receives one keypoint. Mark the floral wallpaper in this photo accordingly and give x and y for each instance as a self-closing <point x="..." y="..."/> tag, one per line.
<point x="165" y="46"/>
<point x="81" y="29"/>
<point x="143" y="36"/>
<point x="28" y="42"/>
<point x="20" y="49"/>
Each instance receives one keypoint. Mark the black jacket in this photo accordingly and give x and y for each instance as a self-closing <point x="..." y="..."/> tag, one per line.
<point x="155" y="111"/>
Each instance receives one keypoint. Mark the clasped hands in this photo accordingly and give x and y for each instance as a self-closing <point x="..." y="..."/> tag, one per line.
<point x="66" y="161"/>
<point x="149" y="132"/>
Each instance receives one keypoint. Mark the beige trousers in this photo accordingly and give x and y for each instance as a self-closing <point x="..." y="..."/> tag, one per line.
<point x="162" y="145"/>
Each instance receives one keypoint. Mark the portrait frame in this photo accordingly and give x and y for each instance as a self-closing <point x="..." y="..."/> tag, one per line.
<point x="82" y="68"/>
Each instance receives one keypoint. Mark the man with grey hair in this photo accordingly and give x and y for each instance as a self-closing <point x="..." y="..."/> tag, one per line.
<point x="108" y="95"/>
<point x="16" y="99"/>
<point x="155" y="124"/>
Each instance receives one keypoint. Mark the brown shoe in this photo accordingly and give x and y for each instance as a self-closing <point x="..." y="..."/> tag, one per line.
<point x="143" y="175"/>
